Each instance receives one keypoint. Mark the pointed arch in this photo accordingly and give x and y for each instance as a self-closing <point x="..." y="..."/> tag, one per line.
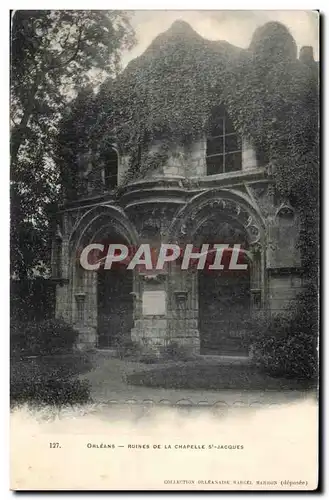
<point x="94" y="219"/>
<point x="223" y="202"/>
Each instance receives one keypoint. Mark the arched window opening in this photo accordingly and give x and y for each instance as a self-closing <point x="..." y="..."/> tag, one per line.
<point x="110" y="172"/>
<point x="224" y="145"/>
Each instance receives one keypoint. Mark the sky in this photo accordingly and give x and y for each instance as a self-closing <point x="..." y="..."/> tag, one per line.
<point x="234" y="26"/>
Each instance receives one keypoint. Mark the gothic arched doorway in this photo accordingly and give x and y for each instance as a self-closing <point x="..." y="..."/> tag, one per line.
<point x="224" y="295"/>
<point x="114" y="301"/>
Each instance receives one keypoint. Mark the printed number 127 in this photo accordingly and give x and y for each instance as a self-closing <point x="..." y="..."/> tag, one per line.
<point x="54" y="445"/>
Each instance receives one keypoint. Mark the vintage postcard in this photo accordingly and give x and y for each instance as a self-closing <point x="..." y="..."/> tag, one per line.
<point x="164" y="324"/>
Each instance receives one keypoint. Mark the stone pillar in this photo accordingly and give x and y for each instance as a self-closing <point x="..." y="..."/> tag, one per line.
<point x="84" y="305"/>
<point x="248" y="155"/>
<point x="166" y="310"/>
<point x="88" y="320"/>
<point x="62" y="302"/>
<point x="197" y="158"/>
<point x="63" y="295"/>
<point x="150" y="311"/>
<point x="123" y="167"/>
<point x="257" y="278"/>
<point x="283" y="259"/>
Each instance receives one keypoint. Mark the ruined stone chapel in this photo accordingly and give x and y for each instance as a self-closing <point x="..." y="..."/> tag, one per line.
<point x="181" y="168"/>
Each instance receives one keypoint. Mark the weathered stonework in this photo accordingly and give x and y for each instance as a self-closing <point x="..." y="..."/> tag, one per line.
<point x="170" y="208"/>
<point x="170" y="198"/>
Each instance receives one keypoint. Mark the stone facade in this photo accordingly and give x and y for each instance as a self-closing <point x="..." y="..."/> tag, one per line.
<point x="214" y="188"/>
<point x="174" y="204"/>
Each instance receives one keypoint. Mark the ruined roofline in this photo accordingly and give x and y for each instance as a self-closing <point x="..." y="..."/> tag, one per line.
<point x="267" y="35"/>
<point x="180" y="31"/>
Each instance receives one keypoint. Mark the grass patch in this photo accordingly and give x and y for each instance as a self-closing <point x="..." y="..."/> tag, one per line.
<point x="214" y="377"/>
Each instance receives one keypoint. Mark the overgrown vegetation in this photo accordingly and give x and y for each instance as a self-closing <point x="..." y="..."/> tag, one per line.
<point x="32" y="300"/>
<point x="45" y="365"/>
<point x="286" y="345"/>
<point x="51" y="380"/>
<point x="41" y="338"/>
<point x="54" y="54"/>
<point x="169" y="92"/>
<point x="37" y="382"/>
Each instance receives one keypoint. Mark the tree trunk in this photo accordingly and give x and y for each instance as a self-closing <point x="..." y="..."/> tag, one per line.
<point x="17" y="137"/>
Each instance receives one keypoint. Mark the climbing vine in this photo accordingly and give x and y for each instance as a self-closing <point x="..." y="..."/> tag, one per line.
<point x="169" y="91"/>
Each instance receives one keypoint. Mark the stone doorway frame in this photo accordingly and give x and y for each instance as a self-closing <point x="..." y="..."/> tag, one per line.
<point x="186" y="224"/>
<point x="82" y="291"/>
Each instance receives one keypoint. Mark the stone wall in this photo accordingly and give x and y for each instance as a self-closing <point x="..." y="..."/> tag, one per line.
<point x="283" y="231"/>
<point x="283" y="289"/>
<point x="150" y="329"/>
<point x="167" y="163"/>
<point x="249" y="160"/>
<point x="185" y="161"/>
<point x="197" y="158"/>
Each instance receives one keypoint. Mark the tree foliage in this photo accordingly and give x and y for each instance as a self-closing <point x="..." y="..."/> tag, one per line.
<point x="54" y="54"/>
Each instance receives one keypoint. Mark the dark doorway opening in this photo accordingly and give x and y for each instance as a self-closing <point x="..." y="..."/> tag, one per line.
<point x="224" y="308"/>
<point x="115" y="306"/>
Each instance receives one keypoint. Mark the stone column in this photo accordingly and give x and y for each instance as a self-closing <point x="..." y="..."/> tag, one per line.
<point x="63" y="295"/>
<point x="197" y="158"/>
<point x="88" y="321"/>
<point x="256" y="278"/>
<point x="84" y="305"/>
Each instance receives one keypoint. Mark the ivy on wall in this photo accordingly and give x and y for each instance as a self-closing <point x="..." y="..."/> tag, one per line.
<point x="168" y="93"/>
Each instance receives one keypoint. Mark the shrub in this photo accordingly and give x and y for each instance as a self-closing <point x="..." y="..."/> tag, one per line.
<point x="49" y="380"/>
<point x="286" y="345"/>
<point x="44" y="337"/>
<point x="51" y="391"/>
<point x="291" y="357"/>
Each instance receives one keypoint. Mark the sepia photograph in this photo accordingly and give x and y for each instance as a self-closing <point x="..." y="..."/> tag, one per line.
<point x="164" y="249"/>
